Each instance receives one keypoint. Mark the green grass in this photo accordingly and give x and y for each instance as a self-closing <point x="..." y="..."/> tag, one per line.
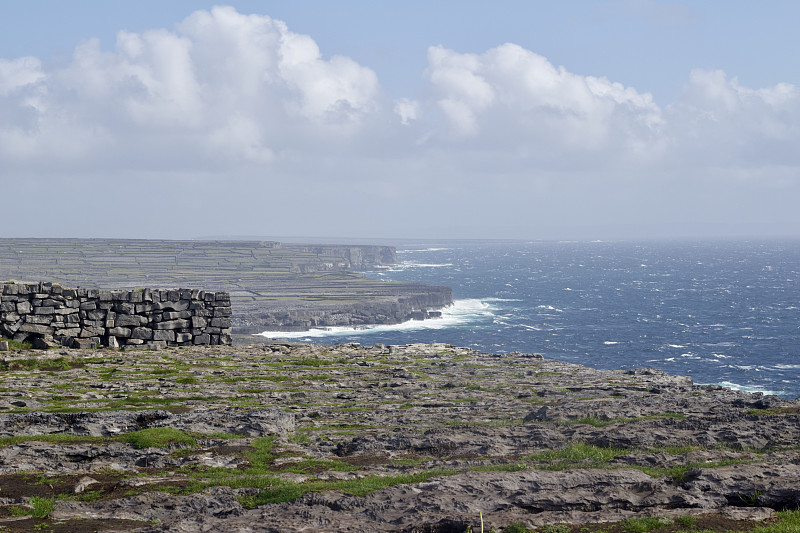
<point x="158" y="438"/>
<point x="645" y="524"/>
<point x="286" y="491"/>
<point x="40" y="508"/>
<point x="576" y="454"/>
<point x="16" y="345"/>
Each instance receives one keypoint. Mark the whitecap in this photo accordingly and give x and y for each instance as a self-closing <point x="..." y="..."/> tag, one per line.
<point x="462" y="312"/>
<point x="609" y="343"/>
<point x="748" y="388"/>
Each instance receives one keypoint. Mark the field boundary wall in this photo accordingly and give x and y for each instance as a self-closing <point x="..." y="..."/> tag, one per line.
<point x="47" y="315"/>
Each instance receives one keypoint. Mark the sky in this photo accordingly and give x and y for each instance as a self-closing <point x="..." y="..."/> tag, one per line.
<point x="589" y="119"/>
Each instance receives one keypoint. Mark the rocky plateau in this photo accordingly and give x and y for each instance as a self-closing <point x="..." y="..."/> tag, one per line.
<point x="420" y="438"/>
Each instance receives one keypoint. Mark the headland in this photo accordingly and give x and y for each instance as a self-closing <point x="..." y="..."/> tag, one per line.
<point x="272" y="286"/>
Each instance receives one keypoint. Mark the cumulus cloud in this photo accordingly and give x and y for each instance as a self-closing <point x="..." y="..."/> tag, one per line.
<point x="716" y="121"/>
<point x="223" y="85"/>
<point x="241" y="100"/>
<point x="516" y="93"/>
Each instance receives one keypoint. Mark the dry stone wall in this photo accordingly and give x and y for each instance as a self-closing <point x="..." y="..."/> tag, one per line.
<point x="48" y="315"/>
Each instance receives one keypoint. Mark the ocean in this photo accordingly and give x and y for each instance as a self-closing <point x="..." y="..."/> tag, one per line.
<point x="724" y="312"/>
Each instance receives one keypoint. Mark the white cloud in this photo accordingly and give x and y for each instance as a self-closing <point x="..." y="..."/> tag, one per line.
<point x="227" y="100"/>
<point x="408" y="110"/>
<point x="718" y="122"/>
<point x="229" y="86"/>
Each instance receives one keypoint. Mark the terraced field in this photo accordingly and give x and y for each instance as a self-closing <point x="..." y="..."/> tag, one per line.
<point x="272" y="285"/>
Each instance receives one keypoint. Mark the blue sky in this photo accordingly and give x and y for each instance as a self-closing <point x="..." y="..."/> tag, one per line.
<point x="510" y="119"/>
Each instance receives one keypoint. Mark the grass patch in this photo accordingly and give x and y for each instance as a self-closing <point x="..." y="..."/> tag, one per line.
<point x="644" y="524"/>
<point x="287" y="492"/>
<point x="576" y="454"/>
<point x="157" y="438"/>
<point x="16" y="345"/>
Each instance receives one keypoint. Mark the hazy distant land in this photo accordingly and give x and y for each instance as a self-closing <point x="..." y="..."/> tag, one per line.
<point x="272" y="285"/>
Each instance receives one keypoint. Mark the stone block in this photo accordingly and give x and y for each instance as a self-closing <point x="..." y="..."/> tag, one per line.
<point x="44" y="310"/>
<point x="3" y="346"/>
<point x="173" y="324"/>
<point x="67" y="332"/>
<point x="10" y="307"/>
<point x="92" y="331"/>
<point x="222" y="312"/>
<point x="199" y="322"/>
<point x="10" y="317"/>
<point x="39" y="329"/>
<point x="221" y="322"/>
<point x="83" y="343"/>
<point x="88" y="306"/>
<point x="183" y="337"/>
<point x="105" y="296"/>
<point x="133" y="341"/>
<point x="136" y="297"/>
<point x="112" y="342"/>
<point x="175" y="306"/>
<point x="124" y="308"/>
<point x="44" y="343"/>
<point x="205" y="338"/>
<point x="172" y="315"/>
<point x="142" y="333"/>
<point x="130" y="320"/>
<point x="120" y="332"/>
<point x="164" y="335"/>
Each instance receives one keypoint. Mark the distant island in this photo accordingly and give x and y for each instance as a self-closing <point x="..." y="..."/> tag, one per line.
<point x="273" y="286"/>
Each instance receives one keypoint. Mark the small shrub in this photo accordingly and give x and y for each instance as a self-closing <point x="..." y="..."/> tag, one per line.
<point x="687" y="521"/>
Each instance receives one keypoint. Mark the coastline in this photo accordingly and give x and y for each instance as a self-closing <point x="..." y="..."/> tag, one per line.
<point x="384" y="438"/>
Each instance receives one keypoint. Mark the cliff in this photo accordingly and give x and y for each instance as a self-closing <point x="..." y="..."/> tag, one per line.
<point x="271" y="285"/>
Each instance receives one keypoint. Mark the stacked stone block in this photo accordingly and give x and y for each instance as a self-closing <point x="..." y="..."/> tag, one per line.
<point x="47" y="315"/>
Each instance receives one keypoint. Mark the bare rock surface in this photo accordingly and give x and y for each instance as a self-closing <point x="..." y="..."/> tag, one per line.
<point x="293" y="437"/>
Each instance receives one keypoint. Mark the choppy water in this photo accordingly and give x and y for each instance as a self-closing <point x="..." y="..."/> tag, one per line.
<point x="721" y="312"/>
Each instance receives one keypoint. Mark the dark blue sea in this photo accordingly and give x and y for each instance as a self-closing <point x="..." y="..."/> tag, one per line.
<point x="721" y="312"/>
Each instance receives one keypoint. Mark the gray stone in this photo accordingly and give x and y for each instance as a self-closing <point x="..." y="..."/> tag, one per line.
<point x="164" y="335"/>
<point x="3" y="346"/>
<point x="39" y="329"/>
<point x="142" y="333"/>
<point x="130" y="320"/>
<point x="120" y="332"/>
<point x="205" y="338"/>
<point x="173" y="324"/>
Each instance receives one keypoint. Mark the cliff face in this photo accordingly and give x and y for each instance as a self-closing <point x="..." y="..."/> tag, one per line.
<point x="271" y="285"/>
<point x="356" y="257"/>
<point x="417" y="302"/>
